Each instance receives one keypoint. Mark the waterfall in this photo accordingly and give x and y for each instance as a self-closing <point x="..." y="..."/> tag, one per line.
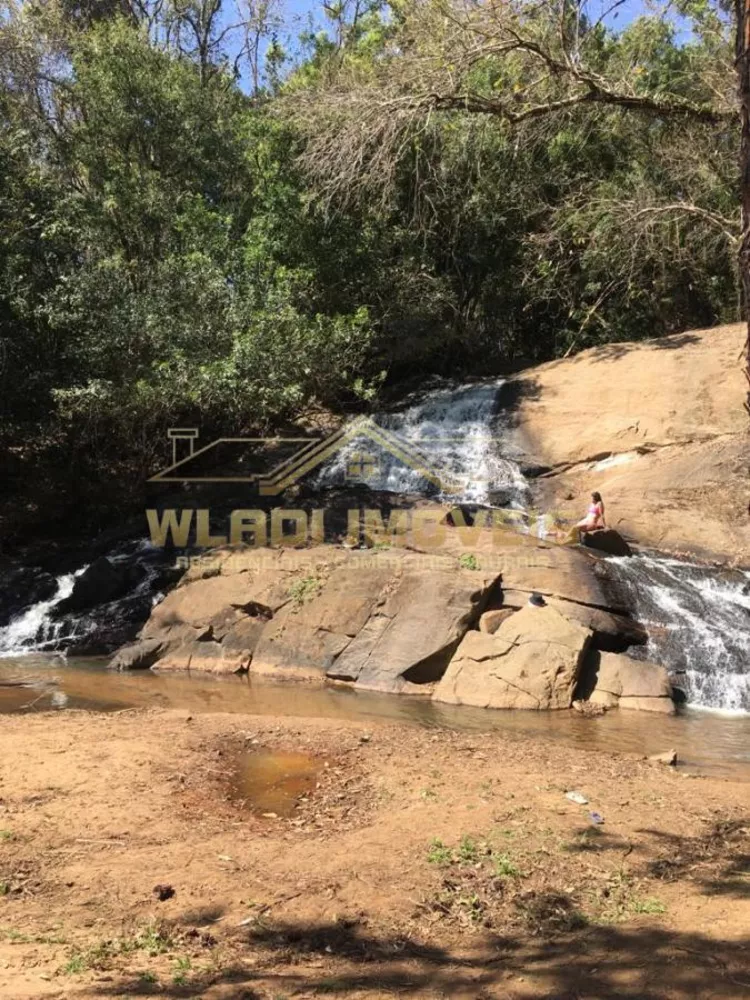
<point x="698" y="620"/>
<point x="35" y="628"/>
<point x="41" y="628"/>
<point x="458" y="432"/>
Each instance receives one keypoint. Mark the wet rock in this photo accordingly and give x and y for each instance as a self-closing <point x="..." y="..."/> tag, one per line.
<point x="607" y="540"/>
<point x="22" y="586"/>
<point x="137" y="656"/>
<point x="615" y="680"/>
<point x="531" y="662"/>
<point x="589" y="709"/>
<point x="99" y="583"/>
<point x="207" y="656"/>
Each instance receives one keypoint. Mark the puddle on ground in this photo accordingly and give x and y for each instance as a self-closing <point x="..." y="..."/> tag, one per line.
<point x="268" y="781"/>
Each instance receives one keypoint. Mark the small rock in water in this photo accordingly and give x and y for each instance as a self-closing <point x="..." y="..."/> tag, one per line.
<point x="576" y="797"/>
<point x="163" y="892"/>
<point x="668" y="757"/>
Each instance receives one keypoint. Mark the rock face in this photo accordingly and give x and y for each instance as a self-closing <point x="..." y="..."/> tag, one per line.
<point x="413" y="630"/>
<point x="20" y="587"/>
<point x="389" y="620"/>
<point x="385" y="621"/>
<point x="532" y="661"/>
<point x="621" y="682"/>
<point x="100" y="582"/>
<point x="657" y="427"/>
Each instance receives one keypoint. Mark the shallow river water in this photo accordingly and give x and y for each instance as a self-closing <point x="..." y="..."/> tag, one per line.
<point x="708" y="742"/>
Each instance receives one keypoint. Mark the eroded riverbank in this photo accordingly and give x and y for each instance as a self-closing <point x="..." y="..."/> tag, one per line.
<point x="424" y="863"/>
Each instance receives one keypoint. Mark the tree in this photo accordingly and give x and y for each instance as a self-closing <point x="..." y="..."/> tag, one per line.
<point x="526" y="65"/>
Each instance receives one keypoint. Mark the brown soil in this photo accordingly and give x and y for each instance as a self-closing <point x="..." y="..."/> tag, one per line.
<point x="425" y="863"/>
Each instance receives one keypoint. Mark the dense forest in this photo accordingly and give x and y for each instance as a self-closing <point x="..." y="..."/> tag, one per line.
<point x="212" y="214"/>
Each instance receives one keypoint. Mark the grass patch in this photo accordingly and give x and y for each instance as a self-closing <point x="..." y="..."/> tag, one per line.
<point x="182" y="969"/>
<point x="304" y="590"/>
<point x="649" y="905"/>
<point x="467" y="850"/>
<point x="468" y="561"/>
<point x="153" y="939"/>
<point x="438" y="853"/>
<point x="505" y="867"/>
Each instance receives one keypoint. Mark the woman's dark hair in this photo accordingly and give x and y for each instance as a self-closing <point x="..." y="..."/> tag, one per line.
<point x="596" y="497"/>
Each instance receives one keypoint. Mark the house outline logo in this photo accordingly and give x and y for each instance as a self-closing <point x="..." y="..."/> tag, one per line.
<point x="311" y="453"/>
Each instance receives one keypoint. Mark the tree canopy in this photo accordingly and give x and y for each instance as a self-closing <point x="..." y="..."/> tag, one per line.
<point x="210" y="215"/>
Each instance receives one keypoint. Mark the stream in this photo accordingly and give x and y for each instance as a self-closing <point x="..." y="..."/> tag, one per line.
<point x="706" y="742"/>
<point x="697" y="617"/>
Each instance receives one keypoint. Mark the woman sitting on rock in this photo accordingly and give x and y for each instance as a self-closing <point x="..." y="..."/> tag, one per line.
<point x="594" y="518"/>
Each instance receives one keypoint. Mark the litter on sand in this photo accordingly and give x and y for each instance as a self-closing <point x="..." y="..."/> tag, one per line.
<point x="576" y="797"/>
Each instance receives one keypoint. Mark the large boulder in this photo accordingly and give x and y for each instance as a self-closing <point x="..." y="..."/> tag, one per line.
<point x="612" y="631"/>
<point x="533" y="661"/>
<point x="414" y="629"/>
<point x="100" y="582"/>
<point x="614" y="680"/>
<point x="386" y="621"/>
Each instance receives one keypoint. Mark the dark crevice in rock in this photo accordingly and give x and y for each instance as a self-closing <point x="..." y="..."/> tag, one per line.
<point x="432" y="668"/>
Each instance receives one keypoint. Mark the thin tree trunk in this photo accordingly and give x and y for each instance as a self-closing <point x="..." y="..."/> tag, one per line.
<point x="743" y="74"/>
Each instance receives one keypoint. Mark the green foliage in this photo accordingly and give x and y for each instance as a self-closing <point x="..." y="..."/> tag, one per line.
<point x="165" y="260"/>
<point x="304" y="590"/>
<point x="438" y="853"/>
<point x="468" y="561"/>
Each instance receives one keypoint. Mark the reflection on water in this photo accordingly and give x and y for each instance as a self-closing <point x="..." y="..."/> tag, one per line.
<point x="705" y="741"/>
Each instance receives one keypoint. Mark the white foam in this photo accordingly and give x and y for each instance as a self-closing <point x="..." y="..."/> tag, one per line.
<point x="21" y="633"/>
<point x="453" y="430"/>
<point x="698" y="620"/>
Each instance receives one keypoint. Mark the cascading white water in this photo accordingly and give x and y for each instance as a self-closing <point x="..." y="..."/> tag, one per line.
<point x="698" y="620"/>
<point x="34" y="627"/>
<point x="456" y="432"/>
<point x="37" y="628"/>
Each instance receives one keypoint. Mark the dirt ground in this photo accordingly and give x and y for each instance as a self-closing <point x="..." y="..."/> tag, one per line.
<point x="419" y="863"/>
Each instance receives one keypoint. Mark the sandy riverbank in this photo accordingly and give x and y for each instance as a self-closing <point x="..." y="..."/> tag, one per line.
<point x="425" y="863"/>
